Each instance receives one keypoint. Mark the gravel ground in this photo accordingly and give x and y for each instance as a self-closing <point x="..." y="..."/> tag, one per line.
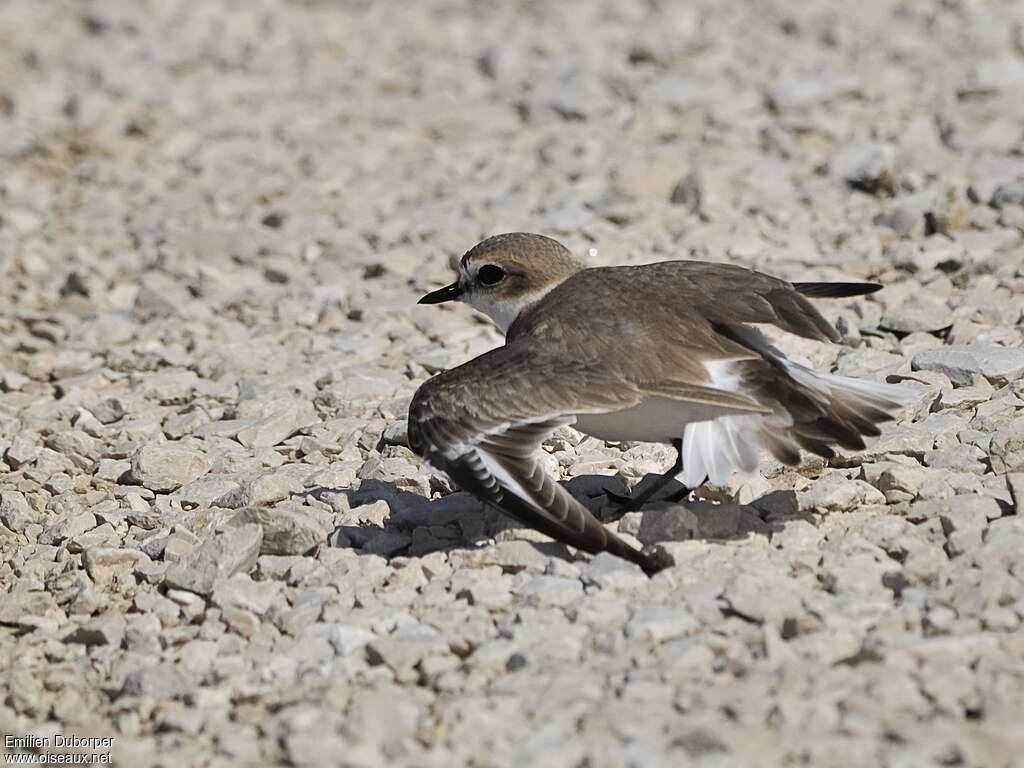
<point x="215" y="219"/>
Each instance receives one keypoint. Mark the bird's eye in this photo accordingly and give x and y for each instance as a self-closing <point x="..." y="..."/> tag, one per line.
<point x="490" y="274"/>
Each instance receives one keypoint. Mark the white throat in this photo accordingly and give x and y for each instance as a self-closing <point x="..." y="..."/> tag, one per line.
<point x="505" y="311"/>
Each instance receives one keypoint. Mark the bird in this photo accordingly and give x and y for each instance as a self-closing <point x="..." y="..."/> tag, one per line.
<point x="665" y="352"/>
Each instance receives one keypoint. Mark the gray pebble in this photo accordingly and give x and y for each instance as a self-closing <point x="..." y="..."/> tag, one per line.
<point x="15" y="512"/>
<point x="285" y="531"/>
<point x="909" y="319"/>
<point x="239" y="592"/>
<point x="609" y="572"/>
<point x="234" y="551"/>
<point x="999" y="365"/>
<point x="868" y="167"/>
<point x="549" y="591"/>
<point x="1011" y="193"/>
<point x="103" y="564"/>
<point x="18" y="608"/>
<point x="167" y="467"/>
<point x="1006" y="450"/>
<point x="105" y="629"/>
<point x="515" y="555"/>
<point x="667" y="523"/>
<point x="276" y="427"/>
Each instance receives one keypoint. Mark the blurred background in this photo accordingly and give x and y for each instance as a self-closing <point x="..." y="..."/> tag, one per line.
<point x="302" y="138"/>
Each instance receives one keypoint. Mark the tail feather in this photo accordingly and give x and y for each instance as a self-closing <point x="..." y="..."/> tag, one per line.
<point x="812" y="411"/>
<point x="817" y="446"/>
<point x="715" y="449"/>
<point x="835" y="290"/>
<point x="809" y="410"/>
<point x="780" y="448"/>
<point x="848" y="409"/>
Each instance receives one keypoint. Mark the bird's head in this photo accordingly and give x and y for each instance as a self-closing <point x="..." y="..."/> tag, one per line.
<point x="503" y="275"/>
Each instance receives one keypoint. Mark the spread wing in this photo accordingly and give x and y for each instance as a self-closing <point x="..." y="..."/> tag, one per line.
<point x="685" y="304"/>
<point x="483" y="424"/>
<point x="728" y="294"/>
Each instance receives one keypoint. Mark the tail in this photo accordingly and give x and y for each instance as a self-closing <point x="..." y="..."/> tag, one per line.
<point x="836" y="410"/>
<point x="811" y="411"/>
<point x="835" y="290"/>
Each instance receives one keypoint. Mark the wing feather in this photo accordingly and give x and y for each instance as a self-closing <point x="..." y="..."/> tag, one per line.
<point x="489" y="448"/>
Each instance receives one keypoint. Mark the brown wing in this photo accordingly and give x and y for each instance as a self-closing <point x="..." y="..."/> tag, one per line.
<point x="729" y="294"/>
<point x="484" y="421"/>
<point x="593" y="315"/>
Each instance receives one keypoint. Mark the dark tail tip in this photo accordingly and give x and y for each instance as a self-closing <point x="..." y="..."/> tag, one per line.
<point x="655" y="559"/>
<point x="836" y="290"/>
<point x="651" y="559"/>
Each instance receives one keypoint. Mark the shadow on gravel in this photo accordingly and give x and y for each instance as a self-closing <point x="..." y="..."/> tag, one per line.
<point x="409" y="524"/>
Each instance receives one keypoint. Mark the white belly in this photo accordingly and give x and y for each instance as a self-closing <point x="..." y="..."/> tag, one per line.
<point x="655" y="420"/>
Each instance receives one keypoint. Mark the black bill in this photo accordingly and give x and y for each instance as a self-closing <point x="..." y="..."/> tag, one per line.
<point x="448" y="293"/>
